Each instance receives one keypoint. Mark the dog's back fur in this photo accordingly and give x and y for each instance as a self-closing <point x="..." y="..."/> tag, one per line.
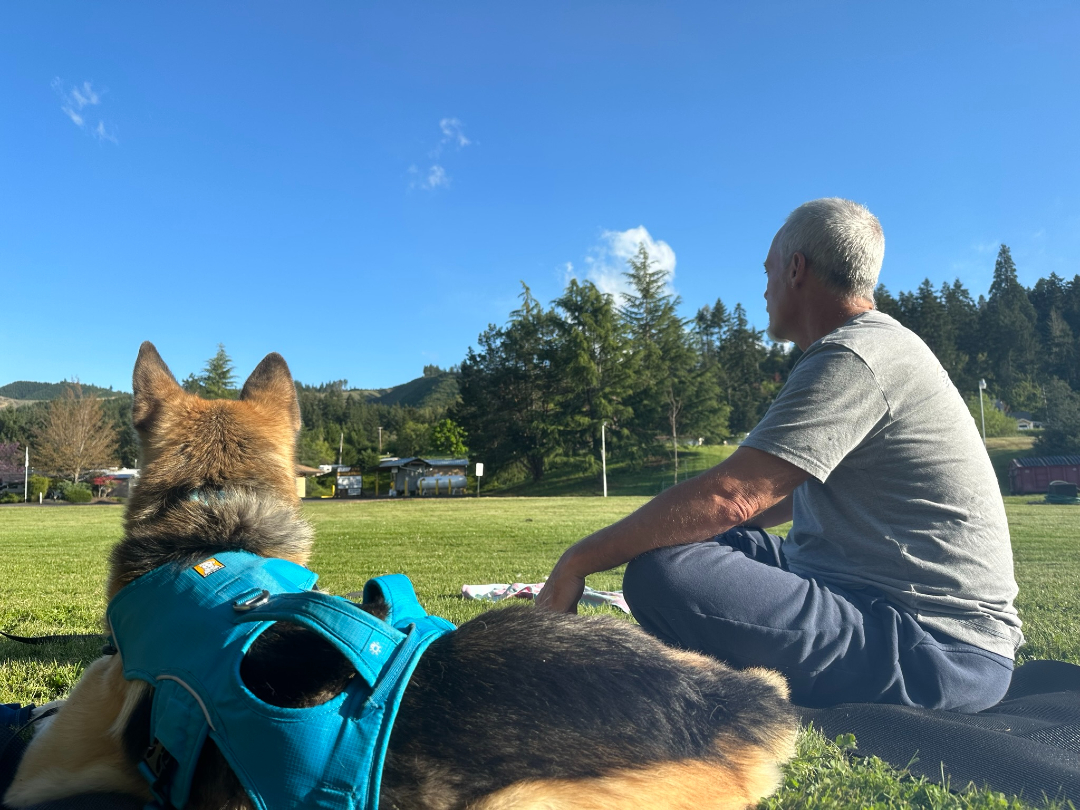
<point x="518" y="708"/>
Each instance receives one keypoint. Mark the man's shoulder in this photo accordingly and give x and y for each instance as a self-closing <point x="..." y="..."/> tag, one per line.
<point x="875" y="337"/>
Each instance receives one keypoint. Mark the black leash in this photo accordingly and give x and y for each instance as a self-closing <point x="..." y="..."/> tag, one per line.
<point x="50" y="639"/>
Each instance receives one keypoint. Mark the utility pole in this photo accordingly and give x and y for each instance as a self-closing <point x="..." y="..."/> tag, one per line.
<point x="603" y="455"/>
<point x="982" y="386"/>
<point x="380" y="440"/>
<point x="26" y="476"/>
<point x="340" y="447"/>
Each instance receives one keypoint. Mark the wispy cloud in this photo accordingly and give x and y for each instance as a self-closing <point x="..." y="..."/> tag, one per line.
<point x="606" y="262"/>
<point x="436" y="177"/>
<point x="453" y="133"/>
<point x="74" y="103"/>
<point x="453" y="138"/>
<point x="986" y="247"/>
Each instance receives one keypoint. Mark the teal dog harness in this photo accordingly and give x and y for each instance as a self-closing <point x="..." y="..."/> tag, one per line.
<point x="186" y="631"/>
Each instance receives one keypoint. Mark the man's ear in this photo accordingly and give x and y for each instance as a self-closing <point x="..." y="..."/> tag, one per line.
<point x="797" y="269"/>
<point x="272" y="384"/>
<point x="151" y="384"/>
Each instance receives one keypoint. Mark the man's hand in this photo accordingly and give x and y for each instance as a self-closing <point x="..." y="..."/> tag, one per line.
<point x="562" y="591"/>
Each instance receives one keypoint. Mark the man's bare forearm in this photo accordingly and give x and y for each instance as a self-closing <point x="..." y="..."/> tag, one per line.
<point x="749" y="483"/>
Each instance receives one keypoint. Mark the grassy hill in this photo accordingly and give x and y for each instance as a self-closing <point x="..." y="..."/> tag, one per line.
<point x="27" y="390"/>
<point x="436" y="391"/>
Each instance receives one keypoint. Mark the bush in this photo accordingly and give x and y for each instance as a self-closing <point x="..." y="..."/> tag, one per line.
<point x="320" y="486"/>
<point x="76" y="493"/>
<point x="997" y="423"/>
<point x="10" y="497"/>
<point x="39" y="484"/>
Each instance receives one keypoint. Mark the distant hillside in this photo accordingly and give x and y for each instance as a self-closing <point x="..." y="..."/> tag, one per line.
<point x="436" y="391"/>
<point x="26" y="390"/>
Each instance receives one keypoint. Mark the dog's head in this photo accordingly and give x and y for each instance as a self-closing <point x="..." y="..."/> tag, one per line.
<point x="192" y="443"/>
<point x="214" y="474"/>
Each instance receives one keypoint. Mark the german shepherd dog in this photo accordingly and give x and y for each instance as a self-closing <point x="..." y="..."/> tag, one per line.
<point x="518" y="708"/>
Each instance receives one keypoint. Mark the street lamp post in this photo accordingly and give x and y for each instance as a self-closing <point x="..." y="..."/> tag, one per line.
<point x="603" y="455"/>
<point x="982" y="414"/>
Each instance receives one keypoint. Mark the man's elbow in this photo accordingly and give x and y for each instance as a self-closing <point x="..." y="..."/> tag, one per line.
<point x="735" y="510"/>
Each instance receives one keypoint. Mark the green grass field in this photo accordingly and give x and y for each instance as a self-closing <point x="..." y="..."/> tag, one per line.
<point x="52" y="571"/>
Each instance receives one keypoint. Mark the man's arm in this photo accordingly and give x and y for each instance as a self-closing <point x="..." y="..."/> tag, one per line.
<point x="746" y="484"/>
<point x="780" y="512"/>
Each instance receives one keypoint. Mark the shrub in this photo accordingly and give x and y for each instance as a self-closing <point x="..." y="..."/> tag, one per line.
<point x="76" y="493"/>
<point x="39" y="484"/>
<point x="320" y="486"/>
<point x="10" y="497"/>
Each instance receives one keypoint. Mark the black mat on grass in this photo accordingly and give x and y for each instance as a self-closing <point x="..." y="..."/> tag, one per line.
<point x="1028" y="745"/>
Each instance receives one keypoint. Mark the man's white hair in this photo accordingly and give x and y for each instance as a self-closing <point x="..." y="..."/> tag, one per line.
<point x="842" y="242"/>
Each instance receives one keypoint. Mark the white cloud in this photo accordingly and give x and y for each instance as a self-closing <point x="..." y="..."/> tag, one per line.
<point x="102" y="134"/>
<point x="453" y="135"/>
<point x="87" y="96"/>
<point x="607" y="261"/>
<point x="73" y="102"/>
<point x="436" y="177"/>
<point x="987" y="247"/>
<point x="453" y="132"/>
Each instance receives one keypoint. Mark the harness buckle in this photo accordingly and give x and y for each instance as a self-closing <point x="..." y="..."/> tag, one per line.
<point x="157" y="759"/>
<point x="251" y="599"/>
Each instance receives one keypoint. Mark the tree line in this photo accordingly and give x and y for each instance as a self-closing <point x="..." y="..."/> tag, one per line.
<point x="536" y="391"/>
<point x="542" y="390"/>
<point x="1025" y="343"/>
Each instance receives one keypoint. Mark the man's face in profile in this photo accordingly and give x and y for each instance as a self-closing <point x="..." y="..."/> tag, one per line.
<point x="778" y="301"/>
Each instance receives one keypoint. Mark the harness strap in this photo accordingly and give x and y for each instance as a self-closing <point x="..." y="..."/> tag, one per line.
<point x="335" y="619"/>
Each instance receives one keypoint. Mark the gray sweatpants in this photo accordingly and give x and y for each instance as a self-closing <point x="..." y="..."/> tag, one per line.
<point x="732" y="597"/>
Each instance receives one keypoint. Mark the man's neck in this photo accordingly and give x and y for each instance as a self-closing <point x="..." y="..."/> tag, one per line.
<point x="829" y="314"/>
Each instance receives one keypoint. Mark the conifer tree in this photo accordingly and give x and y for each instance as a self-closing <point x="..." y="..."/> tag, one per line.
<point x="595" y="368"/>
<point x="1008" y="326"/>
<point x="217" y="380"/>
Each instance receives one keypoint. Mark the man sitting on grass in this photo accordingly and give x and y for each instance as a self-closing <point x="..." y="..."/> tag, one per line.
<point x="895" y="583"/>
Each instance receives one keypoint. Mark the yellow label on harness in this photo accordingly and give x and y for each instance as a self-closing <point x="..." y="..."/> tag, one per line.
<point x="207" y="567"/>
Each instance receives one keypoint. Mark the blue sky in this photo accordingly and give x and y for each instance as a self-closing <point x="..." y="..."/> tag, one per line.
<point x="363" y="186"/>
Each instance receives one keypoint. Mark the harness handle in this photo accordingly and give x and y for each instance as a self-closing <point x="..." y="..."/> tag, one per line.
<point x="366" y="642"/>
<point x="403" y="608"/>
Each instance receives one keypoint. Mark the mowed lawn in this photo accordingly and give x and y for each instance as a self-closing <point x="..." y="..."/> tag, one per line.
<point x="53" y="566"/>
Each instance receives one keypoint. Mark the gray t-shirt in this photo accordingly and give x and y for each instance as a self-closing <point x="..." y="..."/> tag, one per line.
<point x="902" y="497"/>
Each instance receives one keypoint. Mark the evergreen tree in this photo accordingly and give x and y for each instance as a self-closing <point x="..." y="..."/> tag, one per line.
<point x="1008" y="326"/>
<point x="963" y="315"/>
<point x="660" y="349"/>
<point x="885" y="302"/>
<point x="217" y="380"/>
<point x="508" y="390"/>
<point x="593" y="366"/>
<point x="1061" y="435"/>
<point x="741" y="355"/>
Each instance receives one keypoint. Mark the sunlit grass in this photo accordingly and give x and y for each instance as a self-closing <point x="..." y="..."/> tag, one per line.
<point x="52" y="573"/>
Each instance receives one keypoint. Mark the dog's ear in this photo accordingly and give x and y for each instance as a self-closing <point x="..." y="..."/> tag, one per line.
<point x="272" y="384"/>
<point x="151" y="384"/>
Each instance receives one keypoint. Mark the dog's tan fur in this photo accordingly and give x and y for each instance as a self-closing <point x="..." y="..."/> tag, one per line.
<point x="244" y="450"/>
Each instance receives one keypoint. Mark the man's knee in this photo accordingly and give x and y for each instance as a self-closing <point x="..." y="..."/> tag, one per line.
<point x="648" y="578"/>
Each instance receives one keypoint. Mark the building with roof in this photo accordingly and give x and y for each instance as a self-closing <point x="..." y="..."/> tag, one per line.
<point x="426" y="476"/>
